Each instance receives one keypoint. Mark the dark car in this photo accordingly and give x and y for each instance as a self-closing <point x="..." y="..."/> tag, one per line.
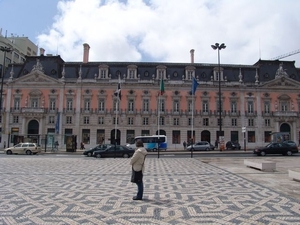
<point x="114" y="151"/>
<point x="233" y="145"/>
<point x="201" y="146"/>
<point x="276" y="148"/>
<point x="292" y="143"/>
<point x="90" y="151"/>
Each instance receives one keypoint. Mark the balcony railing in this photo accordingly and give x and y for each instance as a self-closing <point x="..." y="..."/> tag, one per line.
<point x="285" y="113"/>
<point x="33" y="110"/>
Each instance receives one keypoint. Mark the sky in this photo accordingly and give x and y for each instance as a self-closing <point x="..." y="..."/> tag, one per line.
<point x="158" y="30"/>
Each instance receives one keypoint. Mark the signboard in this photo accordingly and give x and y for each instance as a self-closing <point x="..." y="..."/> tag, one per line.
<point x="243" y="129"/>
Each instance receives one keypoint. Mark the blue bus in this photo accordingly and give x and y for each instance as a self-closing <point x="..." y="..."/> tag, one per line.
<point x="151" y="142"/>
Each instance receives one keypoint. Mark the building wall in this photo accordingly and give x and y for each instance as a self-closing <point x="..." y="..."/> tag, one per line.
<point x="282" y="95"/>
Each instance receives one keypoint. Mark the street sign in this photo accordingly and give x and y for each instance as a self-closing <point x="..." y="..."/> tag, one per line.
<point x="243" y="129"/>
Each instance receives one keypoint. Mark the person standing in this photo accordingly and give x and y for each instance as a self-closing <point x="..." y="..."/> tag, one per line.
<point x="137" y="163"/>
<point x="184" y="145"/>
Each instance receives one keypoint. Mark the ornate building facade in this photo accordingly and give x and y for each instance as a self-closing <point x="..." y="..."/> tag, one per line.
<point x="46" y="99"/>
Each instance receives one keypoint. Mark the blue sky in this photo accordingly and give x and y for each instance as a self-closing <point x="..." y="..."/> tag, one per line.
<point x="157" y="30"/>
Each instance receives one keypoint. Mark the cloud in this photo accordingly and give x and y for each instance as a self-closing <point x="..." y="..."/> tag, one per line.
<point x="155" y="30"/>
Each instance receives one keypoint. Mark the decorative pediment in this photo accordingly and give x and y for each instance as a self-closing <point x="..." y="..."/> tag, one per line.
<point x="36" y="77"/>
<point x="282" y="82"/>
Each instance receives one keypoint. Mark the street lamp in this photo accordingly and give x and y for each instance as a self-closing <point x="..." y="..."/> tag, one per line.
<point x="3" y="49"/>
<point x="219" y="47"/>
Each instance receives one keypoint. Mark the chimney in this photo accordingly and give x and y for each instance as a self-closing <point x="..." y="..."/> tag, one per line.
<point x="192" y="55"/>
<point x="42" y="51"/>
<point x="86" y="50"/>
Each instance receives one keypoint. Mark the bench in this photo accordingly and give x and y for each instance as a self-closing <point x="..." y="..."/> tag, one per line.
<point x="295" y="174"/>
<point x="261" y="165"/>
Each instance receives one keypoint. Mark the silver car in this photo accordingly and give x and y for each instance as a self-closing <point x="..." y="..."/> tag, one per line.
<point x="23" y="148"/>
<point x="201" y="146"/>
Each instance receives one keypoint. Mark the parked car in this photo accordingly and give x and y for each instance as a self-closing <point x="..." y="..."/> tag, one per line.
<point x="114" y="151"/>
<point x="23" y="148"/>
<point x="90" y="151"/>
<point x="201" y="146"/>
<point x="276" y="148"/>
<point x="233" y="145"/>
<point x="292" y="143"/>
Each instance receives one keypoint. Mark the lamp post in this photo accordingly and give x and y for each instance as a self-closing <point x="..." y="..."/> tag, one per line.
<point x="219" y="47"/>
<point x="5" y="50"/>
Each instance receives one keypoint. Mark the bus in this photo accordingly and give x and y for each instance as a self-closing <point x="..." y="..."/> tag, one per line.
<point x="280" y="137"/>
<point x="150" y="142"/>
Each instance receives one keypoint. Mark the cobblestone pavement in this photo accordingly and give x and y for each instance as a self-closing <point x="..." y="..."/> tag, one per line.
<point x="62" y="190"/>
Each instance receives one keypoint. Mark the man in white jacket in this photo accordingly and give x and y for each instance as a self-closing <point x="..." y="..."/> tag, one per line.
<point x="137" y="162"/>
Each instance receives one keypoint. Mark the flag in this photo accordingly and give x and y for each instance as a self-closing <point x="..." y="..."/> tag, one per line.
<point x="161" y="87"/>
<point x="57" y="124"/>
<point x="118" y="91"/>
<point x="194" y="86"/>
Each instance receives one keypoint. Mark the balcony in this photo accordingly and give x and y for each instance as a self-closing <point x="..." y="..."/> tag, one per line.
<point x="33" y="110"/>
<point x="285" y="114"/>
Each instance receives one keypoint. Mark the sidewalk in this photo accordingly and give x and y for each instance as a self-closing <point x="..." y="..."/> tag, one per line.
<point x="169" y="151"/>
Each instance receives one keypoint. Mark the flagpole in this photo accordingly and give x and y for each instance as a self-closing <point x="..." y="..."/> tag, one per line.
<point x="116" y="122"/>
<point x="192" y="135"/>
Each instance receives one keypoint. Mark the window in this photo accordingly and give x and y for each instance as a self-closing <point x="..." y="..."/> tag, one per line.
<point x="100" y="136"/>
<point x="114" y="120"/>
<point x="190" y="106"/>
<point x="176" y="121"/>
<point x="68" y="119"/>
<point x="86" y="120"/>
<point x="176" y="137"/>
<point x="234" y="122"/>
<point x="284" y="106"/>
<point x="103" y="73"/>
<point x="205" y="106"/>
<point x="161" y="74"/>
<point x="131" y="74"/>
<point x="267" y="136"/>
<point x="51" y="119"/>
<point x="251" y="122"/>
<point x="205" y="121"/>
<point x="101" y="120"/>
<point x="218" y="106"/>
<point x="145" y="121"/>
<point x="130" y="120"/>
<point x="176" y="106"/>
<point x="189" y="121"/>
<point x="251" y="136"/>
<point x="190" y="74"/>
<point x="116" y="104"/>
<point x="16" y="103"/>
<point x="86" y="136"/>
<point x="87" y="104"/>
<point x="219" y="122"/>
<point x="146" y="105"/>
<point x="69" y="104"/>
<point x="250" y="107"/>
<point x="15" y="119"/>
<point x="34" y="103"/>
<point x="130" y="105"/>
<point x="162" y="120"/>
<point x="233" y="107"/>
<point x="101" y="105"/>
<point x="52" y="104"/>
<point x="162" y="105"/>
<point x="267" y="107"/>
<point x="267" y="123"/>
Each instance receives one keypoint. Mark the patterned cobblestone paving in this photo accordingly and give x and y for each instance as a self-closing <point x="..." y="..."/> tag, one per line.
<point x="37" y="190"/>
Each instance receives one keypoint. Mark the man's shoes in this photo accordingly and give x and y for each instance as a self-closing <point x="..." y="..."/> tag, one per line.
<point x="136" y="198"/>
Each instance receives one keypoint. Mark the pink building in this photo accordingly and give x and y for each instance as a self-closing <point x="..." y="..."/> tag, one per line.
<point x="47" y="99"/>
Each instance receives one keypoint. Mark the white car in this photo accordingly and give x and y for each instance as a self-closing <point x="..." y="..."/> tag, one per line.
<point x="23" y="148"/>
